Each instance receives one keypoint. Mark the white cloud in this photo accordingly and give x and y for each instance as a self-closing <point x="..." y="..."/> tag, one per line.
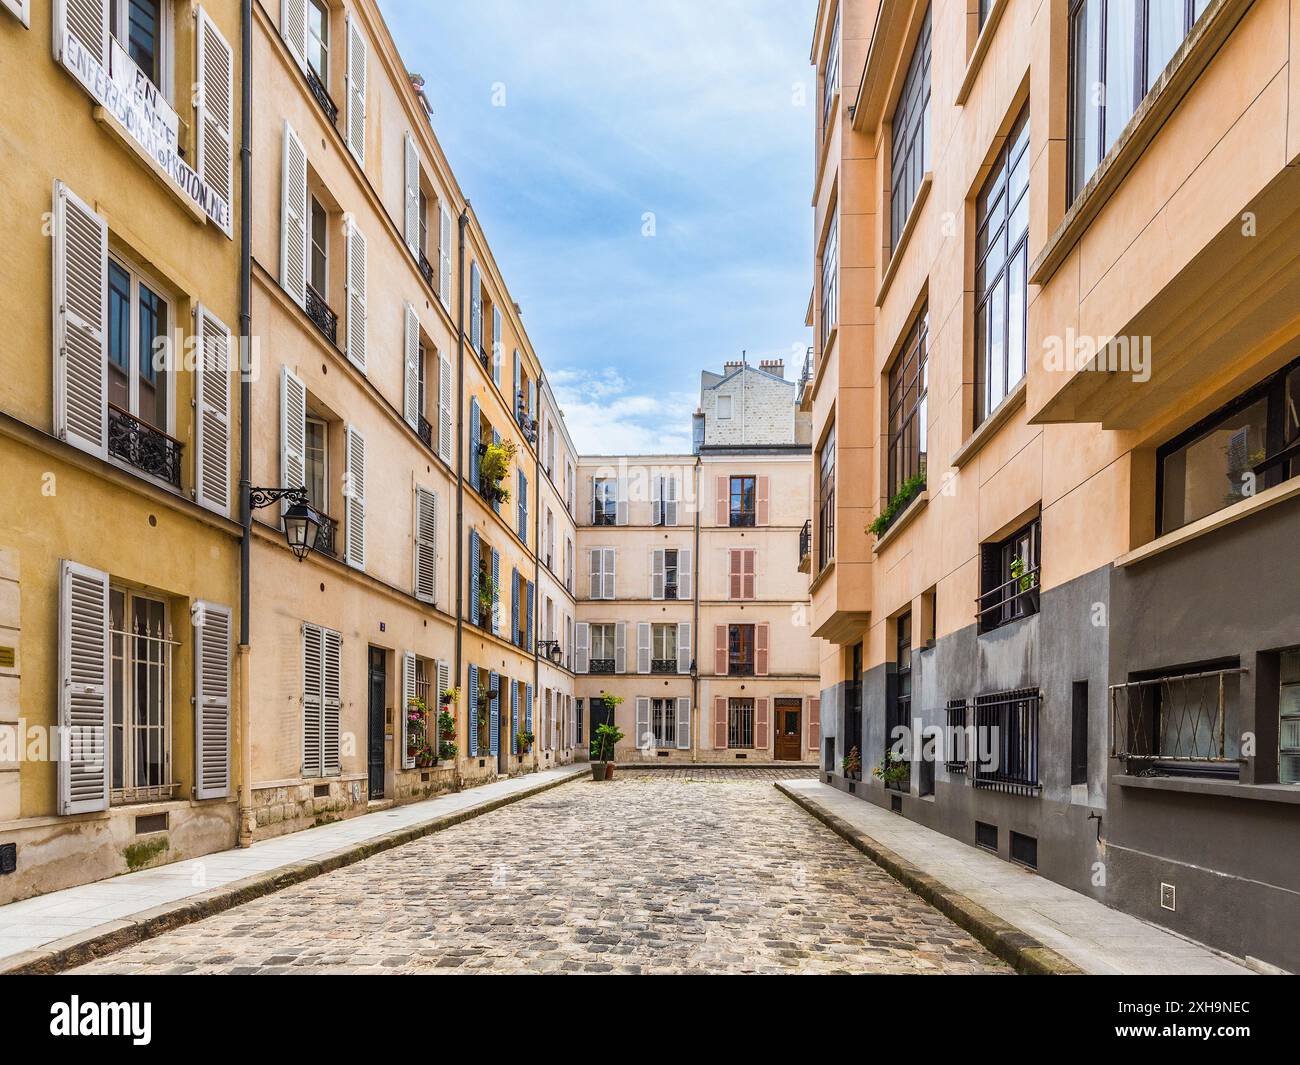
<point x="605" y="417"/>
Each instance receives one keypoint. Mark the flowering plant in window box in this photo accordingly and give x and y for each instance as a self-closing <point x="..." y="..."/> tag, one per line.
<point x="493" y="468"/>
<point x="852" y="763"/>
<point x="417" y="740"/>
<point x="892" y="769"/>
<point x="525" y="741"/>
<point x="907" y="491"/>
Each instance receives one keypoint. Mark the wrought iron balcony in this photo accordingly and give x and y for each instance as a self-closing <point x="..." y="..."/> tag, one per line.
<point x="141" y="445"/>
<point x="663" y="665"/>
<point x="319" y="312"/>
<point x="327" y="536"/>
<point x="322" y="95"/>
<point x="670" y="591"/>
<point x="426" y="432"/>
<point x="601" y="665"/>
<point x="805" y="547"/>
<point x="426" y="268"/>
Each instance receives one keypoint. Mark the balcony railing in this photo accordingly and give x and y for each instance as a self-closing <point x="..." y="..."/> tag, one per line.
<point x="1159" y="722"/>
<point x="141" y="445"/>
<point x="805" y="546"/>
<point x="807" y="373"/>
<point x="1006" y="731"/>
<point x="327" y="536"/>
<point x="319" y="312"/>
<point x="740" y="666"/>
<point x="670" y="590"/>
<point x="601" y="665"/>
<point x="1016" y="598"/>
<point x="323" y="98"/>
<point x="426" y="268"/>
<point x="425" y="432"/>
<point x="663" y="665"/>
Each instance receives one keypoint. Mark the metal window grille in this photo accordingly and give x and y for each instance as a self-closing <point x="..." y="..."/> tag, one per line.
<point x="1006" y="731"/>
<point x="956" y="739"/>
<point x="1176" y="718"/>
<point x="740" y="723"/>
<point x="663" y="721"/>
<point x="140" y="699"/>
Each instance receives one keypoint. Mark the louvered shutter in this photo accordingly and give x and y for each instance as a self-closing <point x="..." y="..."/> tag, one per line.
<point x="293" y="218"/>
<point x="683" y="728"/>
<point x="473" y="711"/>
<point x="516" y="590"/>
<point x="528" y="707"/>
<point x="212" y="411"/>
<point x="516" y="401"/>
<point x="331" y="700"/>
<point x="719" y="723"/>
<point x="762" y="507"/>
<point x="496" y="502"/>
<point x="293" y="430"/>
<point x="475" y="435"/>
<point x="354" y="499"/>
<point x="656" y="501"/>
<point x="83" y="689"/>
<point x="643" y="647"/>
<point x="356" y="297"/>
<point x="621" y="508"/>
<point x="656" y="573"/>
<point x="720" y="650"/>
<point x="496" y="591"/>
<point x="412" y="173"/>
<point x="444" y="256"/>
<point x="581" y="647"/>
<point x="684" y="573"/>
<point x="597" y="571"/>
<point x="670" y="503"/>
<point x="87" y="21"/>
<point x="408" y="697"/>
<point x="620" y="647"/>
<point x="212" y="647"/>
<point x="609" y="584"/>
<point x="735" y="580"/>
<point x="722" y="512"/>
<point x="426" y="546"/>
<point x="760" y="649"/>
<point x="444" y="409"/>
<point x="475" y="310"/>
<point x="80" y="322"/>
<point x="311" y="701"/>
<point x="760" y="723"/>
<point x="214" y="108"/>
<point x="523" y="507"/>
<point x="474" y="562"/>
<point x="645" y="736"/>
<point x="411" y="367"/>
<point x="528" y="617"/>
<point x="683" y="647"/>
<point x="494" y="715"/>
<point x="747" y="573"/>
<point x="514" y="718"/>
<point x="356" y="91"/>
<point x="496" y="345"/>
<point x="293" y="28"/>
<point x="814" y="724"/>
<point x="444" y="684"/>
<point x="21" y="10"/>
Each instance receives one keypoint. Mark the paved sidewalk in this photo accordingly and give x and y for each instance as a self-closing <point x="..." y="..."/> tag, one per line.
<point x="51" y="931"/>
<point x="1092" y="936"/>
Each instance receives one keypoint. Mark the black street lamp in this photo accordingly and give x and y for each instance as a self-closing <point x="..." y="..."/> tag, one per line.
<point x="301" y="521"/>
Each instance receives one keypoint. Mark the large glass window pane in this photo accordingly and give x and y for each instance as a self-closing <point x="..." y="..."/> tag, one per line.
<point x="1085" y="123"/>
<point x="119" y="337"/>
<point x="318" y="40"/>
<point x="1016" y="292"/>
<point x="1213" y="471"/>
<point x="1121" y="66"/>
<point x="910" y="134"/>
<point x="152" y="358"/>
<point x="1166" y="24"/>
<point x="144" y="37"/>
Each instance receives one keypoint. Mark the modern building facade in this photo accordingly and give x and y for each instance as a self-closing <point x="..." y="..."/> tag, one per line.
<point x="691" y="610"/>
<point x="1054" y="427"/>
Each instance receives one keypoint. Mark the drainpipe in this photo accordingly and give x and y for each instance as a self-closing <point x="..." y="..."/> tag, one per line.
<point x="537" y="544"/>
<point x="460" y="461"/>
<point x="695" y="624"/>
<point x="246" y="819"/>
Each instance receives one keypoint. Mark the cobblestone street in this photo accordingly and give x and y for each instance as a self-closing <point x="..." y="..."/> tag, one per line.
<point x="660" y="871"/>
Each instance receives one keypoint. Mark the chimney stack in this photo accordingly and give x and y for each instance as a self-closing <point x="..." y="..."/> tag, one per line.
<point x="731" y="364"/>
<point x="776" y="367"/>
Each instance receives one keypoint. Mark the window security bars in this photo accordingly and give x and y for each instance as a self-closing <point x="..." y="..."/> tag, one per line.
<point x="1175" y="718"/>
<point x="1006" y="727"/>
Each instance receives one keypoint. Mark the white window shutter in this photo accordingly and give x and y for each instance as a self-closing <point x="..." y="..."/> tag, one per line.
<point x="212" y="649"/>
<point x="87" y="21"/>
<point x="293" y="28"/>
<point x="620" y="512"/>
<point x="656" y="573"/>
<point x="645" y="737"/>
<point x="444" y="409"/>
<point x="293" y="430"/>
<point x="411" y="362"/>
<point x="412" y="174"/>
<point x="643" y="647"/>
<point x="212" y="411"/>
<point x="475" y="310"/>
<point x="293" y="218"/>
<point x="356" y="297"/>
<point x="331" y="700"/>
<point x="83" y="689"/>
<point x="581" y="647"/>
<point x="408" y="696"/>
<point x="683" y="723"/>
<point x="80" y="323"/>
<point x="426" y="545"/>
<point x="670" y="503"/>
<point x="444" y="256"/>
<point x="354" y="499"/>
<point x="656" y="501"/>
<point x="21" y="10"/>
<point x="597" y="571"/>
<point x="684" y="573"/>
<point x="356" y="91"/>
<point x="684" y="647"/>
<point x="311" y="700"/>
<point x="214" y="108"/>
<point x="620" y="647"/>
<point x="496" y="345"/>
<point x="608" y="583"/>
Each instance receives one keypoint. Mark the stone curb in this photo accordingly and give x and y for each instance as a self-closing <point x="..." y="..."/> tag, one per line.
<point x="631" y="767"/>
<point x="1016" y="947"/>
<point x="108" y="938"/>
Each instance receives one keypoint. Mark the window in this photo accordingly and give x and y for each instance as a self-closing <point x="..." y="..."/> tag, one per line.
<point x="602" y="648"/>
<point x="319" y="278"/>
<point x="577" y="722"/>
<point x="1118" y="50"/>
<point x="908" y="385"/>
<point x="1251" y="444"/>
<point x="985" y="6"/>
<point x="1006" y="739"/>
<point x="853" y="709"/>
<point x="663" y="722"/>
<point x="743" y="501"/>
<point x="140" y="697"/>
<point x="740" y="723"/>
<point x="663" y="648"/>
<point x="910" y="133"/>
<point x="826" y="501"/>
<point x="724" y="408"/>
<point x="740" y="650"/>
<point x="423" y="218"/>
<point x="831" y="80"/>
<point x="318" y="40"/>
<point x="1010" y="577"/>
<point x="830" y="278"/>
<point x="605" y="501"/>
<point x="1289" y="720"/>
<point x="317" y="464"/>
<point x="140" y="27"/>
<point x="670" y="574"/>
<point x="1079" y="733"/>
<point x="1001" y="270"/>
<point x="900" y="703"/>
<point x="138" y="320"/>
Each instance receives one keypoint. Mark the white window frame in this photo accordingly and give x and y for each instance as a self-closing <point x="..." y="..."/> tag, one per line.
<point x="325" y="44"/>
<point x="314" y="201"/>
<point x="166" y="47"/>
<point x="131" y="792"/>
<point x="137" y="277"/>
<point x="730" y="407"/>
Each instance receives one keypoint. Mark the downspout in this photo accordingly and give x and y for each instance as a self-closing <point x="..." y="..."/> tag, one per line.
<point x="247" y="821"/>
<point x="695" y="623"/>
<point x="537" y="545"/>
<point x="460" y="463"/>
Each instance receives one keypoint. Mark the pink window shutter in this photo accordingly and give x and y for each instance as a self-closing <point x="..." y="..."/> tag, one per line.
<point x="747" y="573"/>
<point x="760" y="724"/>
<point x="720" y="650"/>
<point x="760" y="649"/>
<point x="762" y="500"/>
<point x="719" y="723"/>
<point x="814" y="724"/>
<point x="723" y="504"/>
<point x="734" y="577"/>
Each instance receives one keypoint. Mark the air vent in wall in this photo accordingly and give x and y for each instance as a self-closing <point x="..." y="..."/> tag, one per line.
<point x="8" y="858"/>
<point x="1167" y="893"/>
<point x="986" y="836"/>
<point x="896" y="804"/>
<point x="150" y="823"/>
<point x="1024" y="849"/>
<point x="321" y="791"/>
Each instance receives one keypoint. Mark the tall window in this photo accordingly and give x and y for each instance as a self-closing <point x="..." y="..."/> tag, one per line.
<point x="318" y="39"/>
<point x="1118" y="50"/>
<point x="138" y="321"/>
<point x="140" y="697"/>
<point x="605" y="503"/>
<point x="830" y="278"/>
<point x="317" y="464"/>
<point x="664" y="648"/>
<point x="740" y="723"/>
<point x="1289" y="721"/>
<point x="670" y="574"/>
<point x="853" y="707"/>
<point x="139" y="27"/>
<point x="663" y="721"/>
<point x="743" y="501"/>
<point x="319" y="248"/>
<point x="910" y="133"/>
<point x="1009" y="577"/>
<point x="1001" y="270"/>
<point x="602" y="648"/>
<point x="908" y="383"/>
<point x="900" y="705"/>
<point x="1251" y="444"/>
<point x="740" y="650"/>
<point x="826" y="501"/>
<point x="831" y="80"/>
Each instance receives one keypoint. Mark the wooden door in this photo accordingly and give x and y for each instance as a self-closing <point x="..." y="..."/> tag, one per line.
<point x="788" y="744"/>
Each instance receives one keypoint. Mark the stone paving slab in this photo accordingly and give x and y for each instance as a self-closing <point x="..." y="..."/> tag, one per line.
<point x="1091" y="935"/>
<point x="649" y="873"/>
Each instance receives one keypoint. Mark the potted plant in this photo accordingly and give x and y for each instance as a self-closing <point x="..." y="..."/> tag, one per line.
<point x="893" y="770"/>
<point x="494" y="466"/>
<point x="525" y="739"/>
<point x="603" y="742"/>
<point x="417" y="739"/>
<point x="852" y="763"/>
<point x="486" y="599"/>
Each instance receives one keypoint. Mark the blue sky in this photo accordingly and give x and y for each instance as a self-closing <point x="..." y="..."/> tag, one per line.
<point x="690" y="118"/>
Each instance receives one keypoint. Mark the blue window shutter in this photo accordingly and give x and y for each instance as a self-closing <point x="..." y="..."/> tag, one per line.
<point x="496" y="503"/>
<point x="514" y="718"/>
<point x="496" y="591"/>
<point x="528" y="624"/>
<point x="473" y="711"/>
<point x="514" y="607"/>
<point x="523" y="507"/>
<point x="473" y="577"/>
<point x="514" y="394"/>
<point x="528" y="708"/>
<point x="475" y="433"/>
<point x="495" y="715"/>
